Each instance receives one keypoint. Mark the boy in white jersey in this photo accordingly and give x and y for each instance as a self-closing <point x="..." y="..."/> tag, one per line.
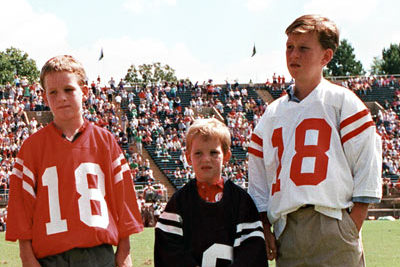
<point x="315" y="159"/>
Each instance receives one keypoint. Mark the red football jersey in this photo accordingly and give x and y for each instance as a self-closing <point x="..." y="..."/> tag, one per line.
<point x="65" y="195"/>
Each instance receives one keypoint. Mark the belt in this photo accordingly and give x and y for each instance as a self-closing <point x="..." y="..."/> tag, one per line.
<point x="306" y="206"/>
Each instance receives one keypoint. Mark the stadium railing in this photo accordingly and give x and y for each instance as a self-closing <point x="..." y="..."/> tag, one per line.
<point x="4" y="197"/>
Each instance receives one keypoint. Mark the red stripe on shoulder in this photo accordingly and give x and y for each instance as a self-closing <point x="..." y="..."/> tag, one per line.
<point x="255" y="152"/>
<point x="357" y="131"/>
<point x="354" y="118"/>
<point x="256" y="139"/>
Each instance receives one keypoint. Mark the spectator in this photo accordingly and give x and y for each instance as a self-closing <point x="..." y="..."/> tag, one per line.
<point x="150" y="193"/>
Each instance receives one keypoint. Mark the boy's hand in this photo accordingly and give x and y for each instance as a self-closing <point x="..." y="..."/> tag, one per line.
<point x="123" y="261"/>
<point x="31" y="263"/>
<point x="123" y="256"/>
<point x="270" y="241"/>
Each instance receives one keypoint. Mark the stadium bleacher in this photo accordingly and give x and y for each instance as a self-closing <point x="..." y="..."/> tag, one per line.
<point x="154" y="111"/>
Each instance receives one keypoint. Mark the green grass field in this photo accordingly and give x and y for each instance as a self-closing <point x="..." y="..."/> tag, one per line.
<point x="381" y="245"/>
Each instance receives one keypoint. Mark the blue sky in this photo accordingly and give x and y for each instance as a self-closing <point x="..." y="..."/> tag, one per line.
<point x="200" y="39"/>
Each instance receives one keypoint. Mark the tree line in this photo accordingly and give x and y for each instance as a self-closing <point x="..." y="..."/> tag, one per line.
<point x="14" y="61"/>
<point x="344" y="62"/>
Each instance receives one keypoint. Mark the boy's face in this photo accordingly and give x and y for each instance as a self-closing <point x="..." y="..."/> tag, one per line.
<point x="64" y="96"/>
<point x="305" y="57"/>
<point x="207" y="158"/>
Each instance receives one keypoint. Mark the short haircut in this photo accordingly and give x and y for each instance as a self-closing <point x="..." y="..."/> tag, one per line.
<point x="326" y="29"/>
<point x="63" y="63"/>
<point x="209" y="128"/>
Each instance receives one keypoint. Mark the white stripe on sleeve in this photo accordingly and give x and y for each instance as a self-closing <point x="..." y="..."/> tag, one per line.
<point x="244" y="226"/>
<point x="241" y="239"/>
<point x="28" y="188"/>
<point x="119" y="176"/>
<point x="171" y="217"/>
<point x="170" y="229"/>
<point x="27" y="172"/>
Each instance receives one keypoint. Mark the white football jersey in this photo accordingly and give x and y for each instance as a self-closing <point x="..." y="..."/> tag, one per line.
<point x="322" y="151"/>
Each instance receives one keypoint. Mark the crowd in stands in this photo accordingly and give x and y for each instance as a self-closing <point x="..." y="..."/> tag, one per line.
<point x="15" y="127"/>
<point x="364" y="84"/>
<point x="388" y="126"/>
<point x="3" y="220"/>
<point x="395" y="104"/>
<point x="158" y="100"/>
<point x="278" y="82"/>
<point x="154" y="115"/>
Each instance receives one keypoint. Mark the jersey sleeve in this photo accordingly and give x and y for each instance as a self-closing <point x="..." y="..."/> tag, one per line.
<point x="249" y="245"/>
<point x="169" y="248"/>
<point x="258" y="187"/>
<point x="129" y="217"/>
<point x="22" y="198"/>
<point x="362" y="147"/>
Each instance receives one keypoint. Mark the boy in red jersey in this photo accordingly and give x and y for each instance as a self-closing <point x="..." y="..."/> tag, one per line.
<point x="71" y="192"/>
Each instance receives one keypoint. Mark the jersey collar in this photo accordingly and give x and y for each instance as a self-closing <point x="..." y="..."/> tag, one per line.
<point x="290" y="93"/>
<point x="293" y="98"/>
<point x="80" y="131"/>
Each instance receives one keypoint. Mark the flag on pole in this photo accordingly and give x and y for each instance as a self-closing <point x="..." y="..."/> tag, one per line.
<point x="254" y="50"/>
<point x="101" y="54"/>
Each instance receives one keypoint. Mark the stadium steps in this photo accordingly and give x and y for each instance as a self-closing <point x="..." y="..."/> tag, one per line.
<point x="185" y="97"/>
<point x="265" y="95"/>
<point x="148" y="152"/>
<point x="276" y="93"/>
<point x="378" y="94"/>
<point x="157" y="173"/>
<point x="166" y="165"/>
<point x="239" y="153"/>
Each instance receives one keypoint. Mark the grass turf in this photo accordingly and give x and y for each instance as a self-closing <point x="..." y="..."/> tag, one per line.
<point x="380" y="239"/>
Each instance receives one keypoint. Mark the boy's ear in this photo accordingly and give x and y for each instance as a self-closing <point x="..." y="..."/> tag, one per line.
<point x="227" y="156"/>
<point x="45" y="98"/>
<point x="328" y="55"/>
<point x="188" y="158"/>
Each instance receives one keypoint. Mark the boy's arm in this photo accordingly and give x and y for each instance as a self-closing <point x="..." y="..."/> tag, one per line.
<point x="26" y="254"/>
<point x="169" y="247"/>
<point x="270" y="241"/>
<point x="129" y="217"/>
<point x="259" y="189"/>
<point x="359" y="213"/>
<point x="122" y="255"/>
<point x="249" y="245"/>
<point x="363" y="149"/>
<point x="22" y="197"/>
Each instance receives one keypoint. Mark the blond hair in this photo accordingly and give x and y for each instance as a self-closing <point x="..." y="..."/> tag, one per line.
<point x="63" y="63"/>
<point x="326" y="29"/>
<point x="209" y="128"/>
